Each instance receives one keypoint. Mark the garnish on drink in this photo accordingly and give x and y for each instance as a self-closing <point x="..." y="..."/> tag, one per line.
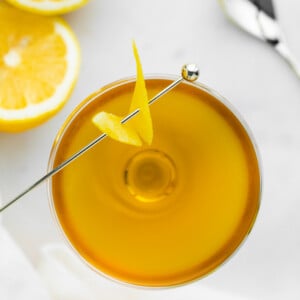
<point x="161" y="215"/>
<point x="137" y="130"/>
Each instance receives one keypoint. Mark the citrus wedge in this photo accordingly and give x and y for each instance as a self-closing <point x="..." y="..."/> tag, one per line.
<point x="39" y="63"/>
<point x="48" y="7"/>
<point x="139" y="128"/>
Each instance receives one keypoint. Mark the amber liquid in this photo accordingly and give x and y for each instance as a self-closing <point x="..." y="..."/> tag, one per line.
<point x="160" y="215"/>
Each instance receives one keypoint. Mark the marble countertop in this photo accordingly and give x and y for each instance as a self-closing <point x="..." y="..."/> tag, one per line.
<point x="247" y="72"/>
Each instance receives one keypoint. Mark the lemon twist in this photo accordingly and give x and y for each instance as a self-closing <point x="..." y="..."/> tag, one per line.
<point x="139" y="129"/>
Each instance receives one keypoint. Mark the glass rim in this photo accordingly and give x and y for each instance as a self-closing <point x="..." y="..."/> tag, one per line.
<point x="123" y="81"/>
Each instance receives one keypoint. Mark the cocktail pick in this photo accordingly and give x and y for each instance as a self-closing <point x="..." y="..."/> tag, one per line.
<point x="189" y="72"/>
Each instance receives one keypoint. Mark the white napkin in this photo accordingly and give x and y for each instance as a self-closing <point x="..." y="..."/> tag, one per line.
<point x="18" y="279"/>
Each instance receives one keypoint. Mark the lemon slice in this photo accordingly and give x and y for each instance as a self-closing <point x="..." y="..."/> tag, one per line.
<point x="140" y="126"/>
<point x="48" y="7"/>
<point x="39" y="63"/>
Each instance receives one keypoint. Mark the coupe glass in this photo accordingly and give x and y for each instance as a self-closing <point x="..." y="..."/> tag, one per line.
<point x="160" y="215"/>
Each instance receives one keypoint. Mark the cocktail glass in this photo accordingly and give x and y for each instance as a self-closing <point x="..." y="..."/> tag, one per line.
<point x="160" y="215"/>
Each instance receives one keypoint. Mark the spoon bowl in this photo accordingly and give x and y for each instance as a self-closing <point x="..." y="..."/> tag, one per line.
<point x="258" y="18"/>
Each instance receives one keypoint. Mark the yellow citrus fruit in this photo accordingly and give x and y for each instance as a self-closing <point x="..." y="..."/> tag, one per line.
<point x="139" y="128"/>
<point x="39" y="63"/>
<point x="48" y="7"/>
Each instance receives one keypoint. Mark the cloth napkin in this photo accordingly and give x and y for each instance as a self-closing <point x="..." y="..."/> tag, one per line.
<point x="18" y="279"/>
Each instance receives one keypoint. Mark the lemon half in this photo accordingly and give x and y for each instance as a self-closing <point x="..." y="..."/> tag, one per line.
<point x="48" y="7"/>
<point x="39" y="64"/>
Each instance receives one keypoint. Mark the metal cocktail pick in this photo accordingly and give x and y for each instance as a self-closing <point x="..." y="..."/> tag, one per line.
<point x="189" y="72"/>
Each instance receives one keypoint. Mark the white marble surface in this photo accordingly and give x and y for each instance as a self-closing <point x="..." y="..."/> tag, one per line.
<point x="246" y="71"/>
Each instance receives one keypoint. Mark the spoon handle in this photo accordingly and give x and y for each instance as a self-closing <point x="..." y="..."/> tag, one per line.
<point x="285" y="52"/>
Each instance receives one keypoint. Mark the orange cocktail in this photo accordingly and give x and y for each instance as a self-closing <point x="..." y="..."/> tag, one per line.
<point x="161" y="215"/>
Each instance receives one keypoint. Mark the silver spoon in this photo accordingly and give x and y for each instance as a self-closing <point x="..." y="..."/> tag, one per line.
<point x="189" y="72"/>
<point x="258" y="18"/>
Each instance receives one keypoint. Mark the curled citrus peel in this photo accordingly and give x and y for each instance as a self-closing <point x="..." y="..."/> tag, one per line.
<point x="139" y="129"/>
